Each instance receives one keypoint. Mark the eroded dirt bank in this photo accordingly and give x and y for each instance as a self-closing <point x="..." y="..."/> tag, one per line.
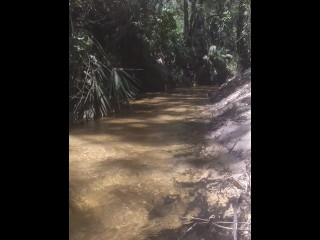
<point x="228" y="148"/>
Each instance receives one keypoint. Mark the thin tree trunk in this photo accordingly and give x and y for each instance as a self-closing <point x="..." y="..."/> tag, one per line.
<point x="241" y="41"/>
<point x="186" y="18"/>
<point x="192" y="22"/>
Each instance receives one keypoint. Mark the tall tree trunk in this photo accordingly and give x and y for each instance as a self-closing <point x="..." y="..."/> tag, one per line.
<point x="192" y="22"/>
<point x="241" y="41"/>
<point x="186" y="18"/>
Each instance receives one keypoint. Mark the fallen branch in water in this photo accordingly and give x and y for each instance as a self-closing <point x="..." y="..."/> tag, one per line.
<point x="202" y="221"/>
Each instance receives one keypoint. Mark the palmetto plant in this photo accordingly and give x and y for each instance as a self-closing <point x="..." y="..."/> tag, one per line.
<point x="97" y="88"/>
<point x="122" y="87"/>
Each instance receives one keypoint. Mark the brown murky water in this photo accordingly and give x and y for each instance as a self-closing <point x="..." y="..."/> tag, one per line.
<point x="124" y="170"/>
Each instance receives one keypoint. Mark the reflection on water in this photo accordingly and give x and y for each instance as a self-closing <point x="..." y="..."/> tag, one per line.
<point x="123" y="169"/>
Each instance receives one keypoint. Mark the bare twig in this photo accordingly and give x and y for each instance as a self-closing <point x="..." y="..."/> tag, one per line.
<point x="230" y="222"/>
<point x="234" y="145"/>
<point x="235" y="219"/>
<point x="219" y="134"/>
<point x="241" y="185"/>
<point x="229" y="228"/>
<point x="188" y="230"/>
<point x="197" y="219"/>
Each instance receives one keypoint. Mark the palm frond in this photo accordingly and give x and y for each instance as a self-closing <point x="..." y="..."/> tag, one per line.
<point x="99" y="87"/>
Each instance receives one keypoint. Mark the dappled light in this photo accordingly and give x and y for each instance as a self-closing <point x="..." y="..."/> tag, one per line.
<point x="150" y="166"/>
<point x="160" y="120"/>
<point x="122" y="168"/>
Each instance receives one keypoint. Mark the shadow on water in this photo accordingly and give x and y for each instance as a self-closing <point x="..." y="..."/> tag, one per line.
<point x="83" y="224"/>
<point x="134" y="166"/>
<point x="148" y="133"/>
<point x="199" y="231"/>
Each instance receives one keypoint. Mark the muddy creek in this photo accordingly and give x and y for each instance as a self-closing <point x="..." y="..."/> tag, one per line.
<point x="124" y="170"/>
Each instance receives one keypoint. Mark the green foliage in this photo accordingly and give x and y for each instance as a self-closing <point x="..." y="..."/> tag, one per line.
<point x="221" y="59"/>
<point x="96" y="88"/>
<point x="101" y="91"/>
<point x="121" y="87"/>
<point x="107" y="37"/>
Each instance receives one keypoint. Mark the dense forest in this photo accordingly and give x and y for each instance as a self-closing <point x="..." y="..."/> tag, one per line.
<point x="118" y="48"/>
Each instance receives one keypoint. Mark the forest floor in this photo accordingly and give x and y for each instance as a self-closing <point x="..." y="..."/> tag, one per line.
<point x="226" y="180"/>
